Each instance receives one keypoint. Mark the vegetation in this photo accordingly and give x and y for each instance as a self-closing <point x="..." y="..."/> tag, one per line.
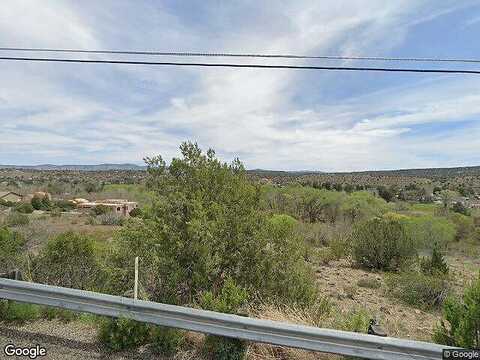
<point x="382" y="243"/>
<point x="210" y="235"/>
<point x="463" y="317"/>
<point x="68" y="260"/>
<point x="206" y="226"/>
<point x="417" y="289"/>
<point x="11" y="244"/>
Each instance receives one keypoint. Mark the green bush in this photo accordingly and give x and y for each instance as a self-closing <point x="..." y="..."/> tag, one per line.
<point x="431" y="231"/>
<point x="382" y="243"/>
<point x="24" y="208"/>
<point x="11" y="311"/>
<point x="63" y="205"/>
<point x="356" y="320"/>
<point x="166" y="341"/>
<point x="417" y="289"/>
<point x="136" y="212"/>
<point x="463" y="317"/>
<point x="11" y="245"/>
<point x="17" y="219"/>
<point x="434" y="264"/>
<point x="51" y="313"/>
<point x="229" y="300"/>
<point x="122" y="334"/>
<point x="41" y="203"/>
<point x="68" y="260"/>
<point x="222" y="348"/>
<point x="101" y="210"/>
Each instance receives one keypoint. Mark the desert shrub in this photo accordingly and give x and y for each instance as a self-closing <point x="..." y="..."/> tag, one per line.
<point x="68" y="260"/>
<point x="369" y="283"/>
<point x="323" y="255"/>
<point x="135" y="212"/>
<point x="122" y="334"/>
<point x="431" y="231"/>
<point x="434" y="264"/>
<point x="111" y="218"/>
<point x="166" y="341"/>
<point x="16" y="219"/>
<point x="24" y="208"/>
<point x="222" y="348"/>
<point x="41" y="203"/>
<point x="417" y="289"/>
<point x="464" y="225"/>
<point x="382" y="243"/>
<point x="205" y="225"/>
<point x="11" y="311"/>
<point x="356" y="320"/>
<point x="463" y="317"/>
<point x="340" y="246"/>
<point x="362" y="205"/>
<point x="63" y="205"/>
<point x="101" y="210"/>
<point x="51" y="313"/>
<point x="11" y="245"/>
<point x="230" y="299"/>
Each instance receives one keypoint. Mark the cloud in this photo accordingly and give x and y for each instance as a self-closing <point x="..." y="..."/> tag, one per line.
<point x="269" y="118"/>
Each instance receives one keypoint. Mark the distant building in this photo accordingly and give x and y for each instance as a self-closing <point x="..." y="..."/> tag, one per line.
<point x="10" y="196"/>
<point x="118" y="206"/>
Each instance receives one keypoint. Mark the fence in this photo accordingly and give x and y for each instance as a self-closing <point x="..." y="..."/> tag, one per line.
<point x="257" y="330"/>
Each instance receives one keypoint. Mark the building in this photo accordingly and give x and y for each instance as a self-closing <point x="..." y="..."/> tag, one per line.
<point x="118" y="206"/>
<point x="10" y="196"/>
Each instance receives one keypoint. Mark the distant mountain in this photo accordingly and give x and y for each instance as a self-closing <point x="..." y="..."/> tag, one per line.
<point x="99" y="167"/>
<point x="267" y="173"/>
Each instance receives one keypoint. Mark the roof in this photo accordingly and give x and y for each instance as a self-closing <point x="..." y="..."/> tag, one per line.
<point x="5" y="193"/>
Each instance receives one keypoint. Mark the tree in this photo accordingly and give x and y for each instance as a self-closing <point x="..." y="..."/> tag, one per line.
<point x="41" y="202"/>
<point x="11" y="244"/>
<point x="446" y="196"/>
<point x="386" y="194"/>
<point x="458" y="207"/>
<point x="68" y="260"/>
<point x="205" y="226"/>
<point x="382" y="243"/>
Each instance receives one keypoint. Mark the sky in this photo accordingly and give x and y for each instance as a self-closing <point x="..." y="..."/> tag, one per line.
<point x="271" y="119"/>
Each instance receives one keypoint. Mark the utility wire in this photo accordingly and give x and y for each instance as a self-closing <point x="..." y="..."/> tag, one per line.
<point x="205" y="54"/>
<point x="256" y="66"/>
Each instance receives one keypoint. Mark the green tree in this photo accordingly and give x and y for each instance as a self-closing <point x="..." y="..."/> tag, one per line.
<point x="68" y="260"/>
<point x="11" y="245"/>
<point x="382" y="243"/>
<point x="206" y="225"/>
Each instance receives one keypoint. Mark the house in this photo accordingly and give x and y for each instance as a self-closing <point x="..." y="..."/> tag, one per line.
<point x="118" y="206"/>
<point x="10" y="196"/>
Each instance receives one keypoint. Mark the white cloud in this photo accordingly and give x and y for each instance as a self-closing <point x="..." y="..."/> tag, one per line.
<point x="100" y="113"/>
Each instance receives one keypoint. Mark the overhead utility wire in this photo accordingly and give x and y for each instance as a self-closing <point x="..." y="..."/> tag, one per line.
<point x="256" y="66"/>
<point x="206" y="54"/>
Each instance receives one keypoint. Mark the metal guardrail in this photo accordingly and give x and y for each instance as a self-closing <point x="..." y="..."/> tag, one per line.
<point x="257" y="330"/>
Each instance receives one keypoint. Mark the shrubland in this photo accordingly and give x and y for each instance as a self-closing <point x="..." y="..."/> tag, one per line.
<point x="212" y="238"/>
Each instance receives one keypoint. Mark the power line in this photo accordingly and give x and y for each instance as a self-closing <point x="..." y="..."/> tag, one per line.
<point x="207" y="54"/>
<point x="255" y="66"/>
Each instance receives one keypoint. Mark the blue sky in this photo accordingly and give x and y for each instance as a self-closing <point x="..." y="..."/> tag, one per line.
<point x="275" y="119"/>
